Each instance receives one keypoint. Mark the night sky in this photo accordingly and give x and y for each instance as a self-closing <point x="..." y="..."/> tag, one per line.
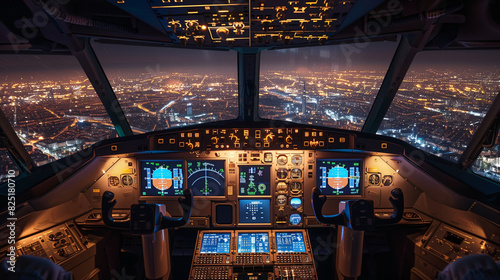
<point x="368" y="56"/>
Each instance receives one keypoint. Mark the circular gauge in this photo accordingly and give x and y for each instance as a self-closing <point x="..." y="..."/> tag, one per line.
<point x="387" y="180"/>
<point x="282" y="160"/>
<point x="296" y="159"/>
<point x="262" y="188"/>
<point x="374" y="179"/>
<point x="281" y="199"/>
<point x="282" y="173"/>
<point x="296" y="173"/>
<point x="295" y="187"/>
<point x="127" y="180"/>
<point x="113" y="181"/>
<point x="295" y="219"/>
<point x="281" y="188"/>
<point x="295" y="203"/>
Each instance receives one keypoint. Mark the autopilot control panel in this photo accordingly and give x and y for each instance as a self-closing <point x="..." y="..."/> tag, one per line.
<point x="253" y="254"/>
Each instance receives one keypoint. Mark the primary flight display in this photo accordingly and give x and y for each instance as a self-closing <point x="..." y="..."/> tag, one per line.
<point x="339" y="176"/>
<point x="161" y="177"/>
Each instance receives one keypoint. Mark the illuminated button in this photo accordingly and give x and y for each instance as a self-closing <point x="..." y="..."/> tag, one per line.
<point x="383" y="145"/>
<point x="257" y="145"/>
<point x="207" y="131"/>
<point x="331" y="139"/>
<point x="181" y="144"/>
<point x="245" y="133"/>
<point x="183" y="135"/>
<point x="313" y="134"/>
<point x="321" y="133"/>
<point x="223" y="131"/>
<point x="214" y="132"/>
<point x="306" y="134"/>
<point x="160" y="141"/>
<point x="114" y="148"/>
<point x="257" y="134"/>
<point x="197" y="135"/>
<point x="171" y="140"/>
<point x="306" y="143"/>
<point x="321" y="143"/>
<point x="236" y="145"/>
<point x="128" y="171"/>
<point x="266" y="145"/>
<point x="342" y="140"/>
<point x="190" y="135"/>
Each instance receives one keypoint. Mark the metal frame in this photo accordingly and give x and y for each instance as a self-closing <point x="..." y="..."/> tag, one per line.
<point x="408" y="47"/>
<point x="16" y="149"/>
<point x="488" y="129"/>
<point x="83" y="51"/>
<point x="248" y="85"/>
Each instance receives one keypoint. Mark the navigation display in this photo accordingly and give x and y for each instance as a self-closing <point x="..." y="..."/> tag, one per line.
<point x="339" y="176"/>
<point x="206" y="178"/>
<point x="253" y="242"/>
<point x="161" y="177"/>
<point x="290" y="242"/>
<point x="254" y="211"/>
<point x="215" y="243"/>
<point x="255" y="180"/>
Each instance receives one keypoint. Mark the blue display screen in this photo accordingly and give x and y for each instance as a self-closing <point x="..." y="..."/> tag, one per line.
<point x="255" y="180"/>
<point x="162" y="177"/>
<point x="290" y="242"/>
<point x="254" y="242"/>
<point x="254" y="211"/>
<point x="215" y="243"/>
<point x="339" y="176"/>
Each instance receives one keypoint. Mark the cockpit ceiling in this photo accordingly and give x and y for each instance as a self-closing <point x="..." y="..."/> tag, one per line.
<point x="239" y="23"/>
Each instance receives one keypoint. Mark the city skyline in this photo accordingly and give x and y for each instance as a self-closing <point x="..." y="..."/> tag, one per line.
<point x="437" y="109"/>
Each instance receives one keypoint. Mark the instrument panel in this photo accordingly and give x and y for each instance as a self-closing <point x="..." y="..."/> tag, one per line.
<point x="269" y="188"/>
<point x="260" y="254"/>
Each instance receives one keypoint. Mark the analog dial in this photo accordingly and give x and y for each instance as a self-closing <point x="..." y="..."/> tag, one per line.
<point x="282" y="160"/>
<point x="296" y="173"/>
<point x="282" y="173"/>
<point x="296" y="159"/>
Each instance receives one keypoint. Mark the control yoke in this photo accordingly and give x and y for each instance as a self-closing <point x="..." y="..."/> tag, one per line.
<point x="146" y="217"/>
<point x="358" y="214"/>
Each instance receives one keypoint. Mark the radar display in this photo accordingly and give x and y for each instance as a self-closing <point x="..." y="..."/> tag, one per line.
<point x="206" y="178"/>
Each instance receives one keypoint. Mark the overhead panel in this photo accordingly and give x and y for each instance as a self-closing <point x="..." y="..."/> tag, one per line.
<point x="237" y="23"/>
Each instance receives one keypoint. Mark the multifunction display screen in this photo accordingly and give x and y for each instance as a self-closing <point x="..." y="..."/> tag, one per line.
<point x="255" y="180"/>
<point x="206" y="177"/>
<point x="254" y="242"/>
<point x="162" y="177"/>
<point x="254" y="211"/>
<point x="339" y="176"/>
<point x="215" y="243"/>
<point x="290" y="242"/>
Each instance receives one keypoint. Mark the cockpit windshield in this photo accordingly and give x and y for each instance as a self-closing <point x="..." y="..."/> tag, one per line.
<point x="442" y="101"/>
<point x="51" y="105"/>
<point x="331" y="86"/>
<point x="159" y="88"/>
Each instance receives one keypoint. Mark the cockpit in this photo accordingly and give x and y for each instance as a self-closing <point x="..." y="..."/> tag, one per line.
<point x="179" y="139"/>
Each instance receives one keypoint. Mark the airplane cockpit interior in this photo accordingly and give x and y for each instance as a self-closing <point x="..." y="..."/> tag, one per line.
<point x="249" y="139"/>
